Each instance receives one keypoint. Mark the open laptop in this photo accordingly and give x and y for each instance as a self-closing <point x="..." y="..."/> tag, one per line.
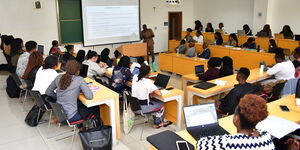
<point x="297" y="37"/>
<point x="241" y="32"/>
<point x="201" y="121"/>
<point x="41" y="49"/>
<point x="261" y="34"/>
<point x="84" y="70"/>
<point x="161" y="81"/>
<point x="199" y="69"/>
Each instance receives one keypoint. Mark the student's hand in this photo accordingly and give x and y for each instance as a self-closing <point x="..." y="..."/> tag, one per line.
<point x="103" y="65"/>
<point x="293" y="144"/>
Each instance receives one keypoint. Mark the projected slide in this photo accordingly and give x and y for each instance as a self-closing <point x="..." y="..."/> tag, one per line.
<point x="110" y="22"/>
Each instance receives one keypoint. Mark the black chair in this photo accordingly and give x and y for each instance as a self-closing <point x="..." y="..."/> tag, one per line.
<point x="136" y="108"/>
<point x="276" y="92"/>
<point x="63" y="119"/>
<point x="80" y="56"/>
<point x="40" y="102"/>
<point x="20" y="85"/>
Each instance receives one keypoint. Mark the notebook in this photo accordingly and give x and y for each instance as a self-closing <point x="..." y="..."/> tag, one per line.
<point x="205" y="85"/>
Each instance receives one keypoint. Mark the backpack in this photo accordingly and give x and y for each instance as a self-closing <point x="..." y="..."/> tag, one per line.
<point x="12" y="90"/>
<point x="32" y="116"/>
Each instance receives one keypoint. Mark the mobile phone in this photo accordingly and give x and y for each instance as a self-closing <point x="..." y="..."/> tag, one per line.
<point x="182" y="145"/>
<point x="89" y="83"/>
<point x="170" y="88"/>
<point x="284" y="108"/>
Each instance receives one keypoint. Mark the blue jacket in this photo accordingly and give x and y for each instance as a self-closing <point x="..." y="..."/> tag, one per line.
<point x="205" y="54"/>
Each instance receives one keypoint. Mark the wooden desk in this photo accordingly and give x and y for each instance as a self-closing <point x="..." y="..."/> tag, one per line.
<point x="288" y="44"/>
<point x="289" y="101"/>
<point x="219" y="51"/>
<point x="231" y="81"/>
<point x="108" y="102"/>
<point x="179" y="63"/>
<point x="173" y="112"/>
<point x="172" y="45"/>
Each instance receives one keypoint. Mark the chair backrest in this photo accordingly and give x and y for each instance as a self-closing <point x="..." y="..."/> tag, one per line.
<point x="133" y="102"/>
<point x="80" y="56"/>
<point x="38" y="98"/>
<point x="59" y="112"/>
<point x="16" y="79"/>
<point x="277" y="89"/>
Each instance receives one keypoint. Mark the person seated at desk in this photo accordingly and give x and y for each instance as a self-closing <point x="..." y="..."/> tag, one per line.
<point x="247" y="30"/>
<point x="227" y="67"/>
<point x="69" y="53"/>
<point x="228" y="104"/>
<point x="209" y="28"/>
<point x="198" y="25"/>
<point x="142" y="87"/>
<point x="94" y="69"/>
<point x="199" y="37"/>
<point x="287" y="32"/>
<point x="68" y="87"/>
<point x="121" y="74"/>
<point x="55" y="50"/>
<point x="212" y="72"/>
<point x="267" y="30"/>
<point x="296" y="62"/>
<point x="188" y="38"/>
<point x="250" y="44"/>
<point x="181" y="48"/>
<point x="232" y="41"/>
<point x="206" y="52"/>
<point x="46" y="74"/>
<point x="118" y="56"/>
<point x="140" y="62"/>
<point x="218" y="39"/>
<point x="191" y="52"/>
<point x="272" y="46"/>
<point x="251" y="110"/>
<point x="104" y="56"/>
<point x="221" y="27"/>
<point x="23" y="59"/>
<point x="282" y="70"/>
<point x="34" y="63"/>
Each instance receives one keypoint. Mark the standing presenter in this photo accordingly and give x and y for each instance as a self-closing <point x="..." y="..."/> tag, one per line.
<point x="147" y="37"/>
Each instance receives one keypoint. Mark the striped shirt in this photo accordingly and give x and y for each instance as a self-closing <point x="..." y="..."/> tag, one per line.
<point x="237" y="142"/>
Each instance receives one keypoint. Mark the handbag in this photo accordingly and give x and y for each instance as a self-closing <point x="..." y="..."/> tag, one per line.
<point x="31" y="118"/>
<point x="99" y="138"/>
<point x="128" y="116"/>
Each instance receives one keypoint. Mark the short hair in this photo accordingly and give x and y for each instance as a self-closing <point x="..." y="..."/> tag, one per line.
<point x="251" y="110"/>
<point x="124" y="62"/>
<point x="16" y="45"/>
<point x="50" y="62"/>
<point x="279" y="54"/>
<point x="30" y="45"/>
<point x="54" y="43"/>
<point x="297" y="50"/>
<point x="117" y="53"/>
<point x="182" y="42"/>
<point x="227" y="61"/>
<point x="214" y="62"/>
<point x="245" y="72"/>
<point x="189" y="30"/>
<point x="8" y="40"/>
<point x="141" y="60"/>
<point x="221" y="23"/>
<point x="69" y="47"/>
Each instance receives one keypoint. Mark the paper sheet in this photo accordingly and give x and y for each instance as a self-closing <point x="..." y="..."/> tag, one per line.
<point x="277" y="127"/>
<point x="220" y="82"/>
<point x="164" y="92"/>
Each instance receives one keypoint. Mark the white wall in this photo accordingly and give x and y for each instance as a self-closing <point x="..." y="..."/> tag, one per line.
<point x="233" y="13"/>
<point x="286" y="12"/>
<point x="260" y="6"/>
<point x="155" y="12"/>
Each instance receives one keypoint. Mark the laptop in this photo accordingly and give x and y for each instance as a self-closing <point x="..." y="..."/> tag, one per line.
<point x="297" y="37"/>
<point x="199" y="70"/>
<point x="161" y="81"/>
<point x="265" y="66"/>
<point x="261" y="34"/>
<point x="204" y="85"/>
<point x="201" y="121"/>
<point x="84" y="70"/>
<point x="241" y="32"/>
<point x="41" y="49"/>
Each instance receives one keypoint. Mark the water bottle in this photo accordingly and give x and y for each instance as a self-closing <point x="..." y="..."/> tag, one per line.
<point x="258" y="48"/>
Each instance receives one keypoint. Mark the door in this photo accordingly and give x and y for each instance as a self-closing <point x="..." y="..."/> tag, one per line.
<point x="175" y="25"/>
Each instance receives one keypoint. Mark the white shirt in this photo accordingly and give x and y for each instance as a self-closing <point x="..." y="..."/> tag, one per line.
<point x="141" y="89"/>
<point x="2" y="58"/>
<point x="22" y="63"/>
<point x="134" y="65"/>
<point x="94" y="69"/>
<point x="198" y="39"/>
<point x="282" y="71"/>
<point x="43" y="79"/>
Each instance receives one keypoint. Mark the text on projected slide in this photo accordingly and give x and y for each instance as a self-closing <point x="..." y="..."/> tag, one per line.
<point x="112" y="21"/>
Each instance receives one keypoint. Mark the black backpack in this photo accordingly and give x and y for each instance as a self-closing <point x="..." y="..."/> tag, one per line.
<point x="12" y="90"/>
<point x="34" y="116"/>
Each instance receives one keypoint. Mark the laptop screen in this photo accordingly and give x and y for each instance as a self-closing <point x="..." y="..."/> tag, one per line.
<point x="162" y="80"/>
<point x="200" y="115"/>
<point x="84" y="70"/>
<point x="199" y="69"/>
